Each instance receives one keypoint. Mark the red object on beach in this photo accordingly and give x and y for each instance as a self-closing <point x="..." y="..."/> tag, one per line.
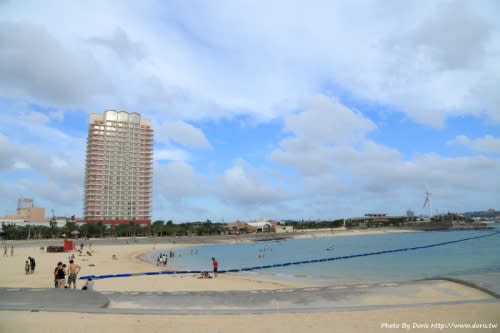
<point x="68" y="245"/>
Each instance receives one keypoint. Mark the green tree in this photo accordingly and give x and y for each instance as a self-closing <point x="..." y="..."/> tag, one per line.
<point x="53" y="226"/>
<point x="158" y="228"/>
<point x="69" y="227"/>
<point x="92" y="229"/>
<point x="12" y="231"/>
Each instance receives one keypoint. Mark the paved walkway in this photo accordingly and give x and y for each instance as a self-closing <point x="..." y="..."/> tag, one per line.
<point x="34" y="299"/>
<point x="489" y="282"/>
<point x="334" y="298"/>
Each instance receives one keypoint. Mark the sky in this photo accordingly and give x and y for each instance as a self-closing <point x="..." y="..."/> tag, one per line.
<point x="260" y="109"/>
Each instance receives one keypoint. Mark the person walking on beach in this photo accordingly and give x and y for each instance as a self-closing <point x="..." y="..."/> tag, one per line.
<point x="73" y="271"/>
<point x="5" y="251"/>
<point x="12" y="250"/>
<point x="215" y="265"/>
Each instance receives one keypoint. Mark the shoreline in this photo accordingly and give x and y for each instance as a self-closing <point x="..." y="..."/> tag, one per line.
<point x="212" y="239"/>
<point x="288" y="280"/>
<point x="137" y="249"/>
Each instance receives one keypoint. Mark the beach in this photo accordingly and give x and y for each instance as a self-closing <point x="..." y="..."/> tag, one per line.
<point x="377" y="310"/>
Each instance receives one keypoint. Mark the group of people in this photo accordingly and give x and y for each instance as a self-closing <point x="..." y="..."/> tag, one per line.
<point x="215" y="267"/>
<point x="204" y="275"/>
<point x="162" y="260"/>
<point x="61" y="271"/>
<point x="29" y="265"/>
<point x="6" y="249"/>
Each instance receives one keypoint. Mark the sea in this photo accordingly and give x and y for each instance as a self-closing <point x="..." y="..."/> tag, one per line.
<point x="473" y="256"/>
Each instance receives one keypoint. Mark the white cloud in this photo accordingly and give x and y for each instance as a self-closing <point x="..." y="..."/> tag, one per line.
<point x="34" y="65"/>
<point x="121" y="44"/>
<point x="171" y="155"/>
<point x="57" y="115"/>
<point x="324" y="123"/>
<point x="241" y="186"/>
<point x="485" y="144"/>
<point x="421" y="58"/>
<point x="7" y="153"/>
<point x="48" y="195"/>
<point x="340" y="177"/>
<point x="182" y="133"/>
<point x="35" y="117"/>
<point x="457" y="40"/>
<point x="178" y="180"/>
<point x="54" y="180"/>
<point x="429" y="60"/>
<point x="326" y="120"/>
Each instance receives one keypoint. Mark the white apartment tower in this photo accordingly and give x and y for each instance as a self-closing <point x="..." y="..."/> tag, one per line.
<point x="119" y="169"/>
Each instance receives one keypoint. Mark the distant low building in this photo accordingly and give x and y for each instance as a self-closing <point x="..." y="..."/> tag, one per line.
<point x="31" y="214"/>
<point x="283" y="228"/>
<point x="239" y="227"/>
<point x="261" y="226"/>
<point x="26" y="212"/>
<point x="21" y="222"/>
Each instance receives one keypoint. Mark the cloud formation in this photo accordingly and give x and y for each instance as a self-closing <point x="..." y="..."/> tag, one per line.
<point x="34" y="64"/>
<point x="242" y="186"/>
<point x="346" y="107"/>
<point x="121" y="45"/>
<point x="182" y="133"/>
<point x="485" y="144"/>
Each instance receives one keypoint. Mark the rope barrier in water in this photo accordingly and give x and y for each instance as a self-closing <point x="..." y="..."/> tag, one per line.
<point x="253" y="268"/>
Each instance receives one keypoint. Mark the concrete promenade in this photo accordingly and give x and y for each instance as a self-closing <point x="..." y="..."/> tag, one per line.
<point x="313" y="299"/>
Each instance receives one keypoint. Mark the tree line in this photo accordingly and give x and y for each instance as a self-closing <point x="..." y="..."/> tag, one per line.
<point x="161" y="228"/>
<point x="96" y="230"/>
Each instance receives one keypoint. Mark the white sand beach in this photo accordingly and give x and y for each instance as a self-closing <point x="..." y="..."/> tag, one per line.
<point x="101" y="262"/>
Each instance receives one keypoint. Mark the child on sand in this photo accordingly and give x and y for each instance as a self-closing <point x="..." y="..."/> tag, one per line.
<point x="27" y="267"/>
<point x="89" y="285"/>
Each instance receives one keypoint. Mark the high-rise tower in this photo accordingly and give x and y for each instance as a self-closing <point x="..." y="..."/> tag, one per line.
<point x="119" y="168"/>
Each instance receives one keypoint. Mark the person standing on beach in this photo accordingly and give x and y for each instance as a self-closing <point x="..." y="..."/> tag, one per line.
<point x="73" y="272"/>
<point x="5" y="251"/>
<point x="215" y="265"/>
<point x="32" y="264"/>
<point x="60" y="275"/>
<point x="12" y="250"/>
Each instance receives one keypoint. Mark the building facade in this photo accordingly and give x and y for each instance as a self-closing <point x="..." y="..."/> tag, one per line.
<point x="25" y="212"/>
<point x="119" y="169"/>
<point x="25" y="203"/>
<point x="31" y="214"/>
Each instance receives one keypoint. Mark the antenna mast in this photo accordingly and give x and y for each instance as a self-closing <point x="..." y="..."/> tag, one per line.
<point x="428" y="202"/>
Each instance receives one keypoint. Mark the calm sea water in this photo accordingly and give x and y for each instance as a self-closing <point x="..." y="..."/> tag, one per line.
<point x="469" y="257"/>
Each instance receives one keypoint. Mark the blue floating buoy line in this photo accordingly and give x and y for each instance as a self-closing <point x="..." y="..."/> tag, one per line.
<point x="302" y="262"/>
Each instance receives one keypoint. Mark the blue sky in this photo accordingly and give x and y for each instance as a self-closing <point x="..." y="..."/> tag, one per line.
<point x="280" y="110"/>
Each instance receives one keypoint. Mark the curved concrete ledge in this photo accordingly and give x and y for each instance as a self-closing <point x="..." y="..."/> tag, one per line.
<point x="302" y="300"/>
<point x="27" y="299"/>
<point x="480" y="285"/>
